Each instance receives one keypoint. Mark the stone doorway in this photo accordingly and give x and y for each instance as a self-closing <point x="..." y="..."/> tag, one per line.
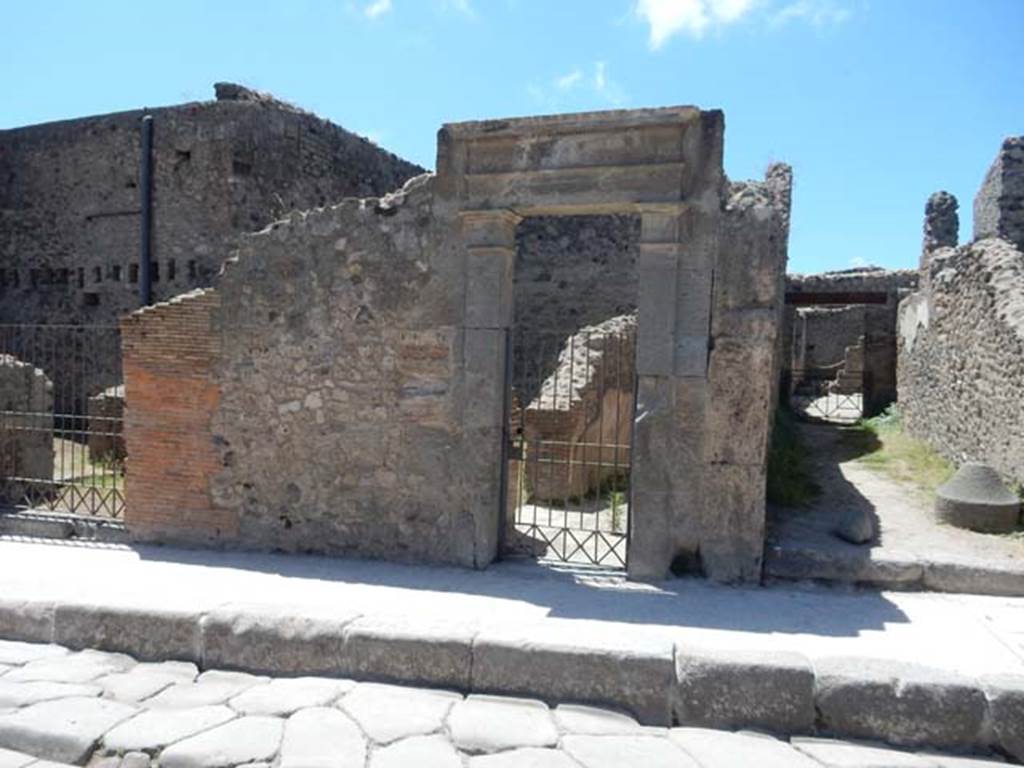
<point x="571" y="381"/>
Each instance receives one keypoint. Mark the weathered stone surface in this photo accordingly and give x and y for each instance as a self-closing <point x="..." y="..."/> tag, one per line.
<point x="80" y="667"/>
<point x="433" y="751"/>
<point x="856" y="525"/>
<point x="26" y="441"/>
<point x="321" y="737"/>
<point x="493" y="724"/>
<point x="26" y="620"/>
<point x="286" y="695"/>
<point x="144" y="681"/>
<point x="530" y="757"/>
<point x="407" y="651"/>
<point x="387" y="713"/>
<point x="574" y="718"/>
<point x="155" y="729"/>
<point x="21" y="694"/>
<point x="259" y="640"/>
<point x="245" y="740"/>
<point x="957" y="761"/>
<point x="63" y="730"/>
<point x="210" y="688"/>
<point x="961" y="356"/>
<point x="732" y="688"/>
<point x="941" y="222"/>
<point x="570" y="664"/>
<point x="898" y="703"/>
<point x="976" y="498"/>
<point x="147" y="633"/>
<point x="1005" y="695"/>
<point x="999" y="204"/>
<point x="722" y="749"/>
<point x="840" y="754"/>
<point x="616" y="751"/>
<point x="11" y="759"/>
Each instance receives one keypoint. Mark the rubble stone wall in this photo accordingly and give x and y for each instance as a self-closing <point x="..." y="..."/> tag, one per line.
<point x="961" y="356"/>
<point x="26" y="431"/>
<point x="999" y="204"/>
<point x="69" y="198"/>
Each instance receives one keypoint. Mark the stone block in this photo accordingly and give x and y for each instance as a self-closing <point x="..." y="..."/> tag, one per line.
<point x="733" y="522"/>
<point x="739" y="405"/>
<point x="693" y="303"/>
<point x="256" y="640"/>
<point x="899" y="703"/>
<point x="645" y="750"/>
<point x="413" y="651"/>
<point x="64" y="730"/>
<point x="483" y="383"/>
<point x="434" y="751"/>
<point x="491" y="724"/>
<point x="842" y="754"/>
<point x="155" y="729"/>
<point x="389" y="713"/>
<point x="738" y="750"/>
<point x="1005" y="694"/>
<point x="144" y="632"/>
<point x="567" y="664"/>
<point x="246" y="740"/>
<point x="649" y="547"/>
<point x="732" y="689"/>
<point x="657" y="276"/>
<point x="283" y="696"/>
<point x="321" y="737"/>
<point x="27" y="620"/>
<point x="489" y="287"/>
<point x="975" y="498"/>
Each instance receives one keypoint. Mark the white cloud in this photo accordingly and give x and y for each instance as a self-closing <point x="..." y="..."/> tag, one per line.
<point x="565" y="82"/>
<point x="858" y="262"/>
<point x="377" y="8"/>
<point x="667" y="18"/>
<point x="819" y="13"/>
<point x="599" y="87"/>
<point x="462" y="6"/>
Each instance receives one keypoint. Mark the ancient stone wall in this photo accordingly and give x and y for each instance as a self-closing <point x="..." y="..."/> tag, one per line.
<point x="999" y="204"/>
<point x="69" y="198"/>
<point x="961" y="362"/>
<point x="26" y="426"/>
<point x="354" y="392"/>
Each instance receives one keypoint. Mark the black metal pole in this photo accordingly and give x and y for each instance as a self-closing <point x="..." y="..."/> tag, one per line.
<point x="146" y="211"/>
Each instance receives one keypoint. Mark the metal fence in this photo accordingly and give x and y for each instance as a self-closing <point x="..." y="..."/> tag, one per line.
<point x="833" y="394"/>
<point x="571" y="400"/>
<point x="61" y="419"/>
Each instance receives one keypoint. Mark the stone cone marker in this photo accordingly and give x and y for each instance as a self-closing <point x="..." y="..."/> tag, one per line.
<point x="976" y="498"/>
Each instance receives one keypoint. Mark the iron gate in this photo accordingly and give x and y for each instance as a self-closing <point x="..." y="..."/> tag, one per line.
<point x="833" y="394"/>
<point x="61" y="417"/>
<point x="569" y="430"/>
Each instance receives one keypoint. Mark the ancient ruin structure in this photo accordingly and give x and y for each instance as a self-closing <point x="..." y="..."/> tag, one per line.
<point x="26" y="427"/>
<point x="343" y="387"/>
<point x="840" y="333"/>
<point x="71" y="203"/>
<point x="961" y="354"/>
<point x="106" y="416"/>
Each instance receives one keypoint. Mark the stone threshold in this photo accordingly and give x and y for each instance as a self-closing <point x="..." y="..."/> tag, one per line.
<point x="790" y="562"/>
<point x="658" y="681"/>
<point x="55" y="525"/>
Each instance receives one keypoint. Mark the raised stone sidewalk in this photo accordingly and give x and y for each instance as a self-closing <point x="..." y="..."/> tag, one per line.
<point x="916" y="670"/>
<point x="108" y="711"/>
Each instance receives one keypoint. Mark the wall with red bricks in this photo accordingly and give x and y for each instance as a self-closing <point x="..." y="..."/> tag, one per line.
<point x="171" y="397"/>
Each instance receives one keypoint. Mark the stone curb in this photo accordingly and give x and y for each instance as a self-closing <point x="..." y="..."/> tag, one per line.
<point x="660" y="683"/>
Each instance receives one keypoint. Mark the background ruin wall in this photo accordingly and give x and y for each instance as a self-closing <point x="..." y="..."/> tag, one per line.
<point x="69" y="198"/>
<point x="961" y="354"/>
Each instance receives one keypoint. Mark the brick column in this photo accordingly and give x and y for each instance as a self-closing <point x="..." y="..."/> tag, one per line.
<point x="488" y="238"/>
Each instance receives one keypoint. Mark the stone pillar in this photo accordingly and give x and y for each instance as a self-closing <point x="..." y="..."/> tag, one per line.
<point x="941" y="224"/>
<point x="488" y="240"/>
<point x="672" y="355"/>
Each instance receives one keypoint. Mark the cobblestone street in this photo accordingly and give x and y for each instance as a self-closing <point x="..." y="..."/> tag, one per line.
<point x="103" y="709"/>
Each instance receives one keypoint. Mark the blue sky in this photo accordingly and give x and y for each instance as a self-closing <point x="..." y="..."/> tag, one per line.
<point x="876" y="103"/>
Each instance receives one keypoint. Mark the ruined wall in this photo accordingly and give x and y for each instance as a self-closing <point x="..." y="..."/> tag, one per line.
<point x="961" y="365"/>
<point x="821" y="335"/>
<point x="26" y="426"/>
<point x="69" y="198"/>
<point x="999" y="204"/>
<point x="961" y="335"/>
<point x="574" y="271"/>
<point x="171" y="396"/>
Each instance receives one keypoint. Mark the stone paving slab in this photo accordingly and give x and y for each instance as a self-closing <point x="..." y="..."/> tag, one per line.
<point x="593" y="637"/>
<point x="440" y="728"/>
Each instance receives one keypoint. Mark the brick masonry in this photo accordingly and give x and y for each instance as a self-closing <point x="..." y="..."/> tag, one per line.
<point x="169" y="351"/>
